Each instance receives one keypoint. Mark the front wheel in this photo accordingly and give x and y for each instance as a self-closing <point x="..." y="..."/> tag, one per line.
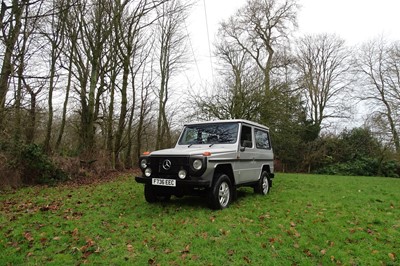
<point x="152" y="196"/>
<point x="264" y="184"/>
<point x="149" y="194"/>
<point x="220" y="194"/>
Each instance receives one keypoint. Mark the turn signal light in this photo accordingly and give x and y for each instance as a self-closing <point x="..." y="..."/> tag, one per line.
<point x="206" y="153"/>
<point x="146" y="153"/>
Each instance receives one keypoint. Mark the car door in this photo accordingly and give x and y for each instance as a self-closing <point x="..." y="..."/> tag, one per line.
<point x="246" y="165"/>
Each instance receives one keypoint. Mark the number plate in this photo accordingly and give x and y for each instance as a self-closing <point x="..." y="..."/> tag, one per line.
<point x="163" y="182"/>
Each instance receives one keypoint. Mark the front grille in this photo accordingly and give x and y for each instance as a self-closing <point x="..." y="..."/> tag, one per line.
<point x="160" y="165"/>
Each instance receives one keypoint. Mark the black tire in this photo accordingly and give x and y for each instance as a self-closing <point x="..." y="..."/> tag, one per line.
<point x="149" y="194"/>
<point x="163" y="198"/>
<point x="220" y="194"/>
<point x="264" y="184"/>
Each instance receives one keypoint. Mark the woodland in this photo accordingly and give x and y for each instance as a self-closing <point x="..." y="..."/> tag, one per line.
<point x="87" y="86"/>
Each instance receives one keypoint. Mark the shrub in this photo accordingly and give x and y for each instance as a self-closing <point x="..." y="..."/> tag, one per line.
<point x="363" y="166"/>
<point x="391" y="168"/>
<point x="36" y="167"/>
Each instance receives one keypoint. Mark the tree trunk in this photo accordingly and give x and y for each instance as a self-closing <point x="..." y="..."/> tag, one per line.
<point x="10" y="41"/>
<point x="50" y="100"/>
<point x="65" y="106"/>
<point x="123" y="110"/>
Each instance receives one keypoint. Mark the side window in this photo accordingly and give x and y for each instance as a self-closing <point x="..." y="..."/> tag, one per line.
<point x="246" y="139"/>
<point x="262" y="139"/>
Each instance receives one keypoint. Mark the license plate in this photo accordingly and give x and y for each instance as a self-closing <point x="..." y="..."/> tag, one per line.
<point x="163" y="182"/>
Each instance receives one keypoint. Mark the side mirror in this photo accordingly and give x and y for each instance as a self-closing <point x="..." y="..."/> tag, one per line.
<point x="246" y="144"/>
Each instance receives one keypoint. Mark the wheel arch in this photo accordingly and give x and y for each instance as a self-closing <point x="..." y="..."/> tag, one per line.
<point x="224" y="169"/>
<point x="267" y="168"/>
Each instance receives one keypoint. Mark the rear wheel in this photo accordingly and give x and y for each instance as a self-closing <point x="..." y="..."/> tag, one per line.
<point x="220" y="194"/>
<point x="264" y="184"/>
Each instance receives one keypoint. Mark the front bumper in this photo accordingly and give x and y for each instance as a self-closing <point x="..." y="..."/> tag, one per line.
<point x="179" y="183"/>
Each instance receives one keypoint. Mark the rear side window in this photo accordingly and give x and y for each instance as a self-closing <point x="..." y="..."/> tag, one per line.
<point x="262" y="139"/>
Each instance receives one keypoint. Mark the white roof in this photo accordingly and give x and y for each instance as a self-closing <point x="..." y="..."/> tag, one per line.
<point x="229" y="121"/>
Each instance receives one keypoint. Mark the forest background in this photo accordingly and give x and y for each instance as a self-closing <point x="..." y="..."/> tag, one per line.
<point x="87" y="86"/>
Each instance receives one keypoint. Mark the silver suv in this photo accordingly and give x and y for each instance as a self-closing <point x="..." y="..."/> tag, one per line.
<point x="210" y="159"/>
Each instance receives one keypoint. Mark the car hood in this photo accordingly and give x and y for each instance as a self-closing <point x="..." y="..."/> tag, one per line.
<point x="192" y="151"/>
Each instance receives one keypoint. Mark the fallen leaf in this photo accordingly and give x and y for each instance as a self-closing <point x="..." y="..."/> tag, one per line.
<point x="75" y="232"/>
<point x="167" y="251"/>
<point x="186" y="250"/>
<point x="265" y="216"/>
<point x="87" y="254"/>
<point x="392" y="256"/>
<point x="89" y="243"/>
<point x="231" y="252"/>
<point x="44" y="208"/>
<point x="292" y="224"/>
<point x="307" y="252"/>
<point x="28" y="236"/>
<point x="204" y="235"/>
<point x="247" y="259"/>
<point x="323" y="251"/>
<point x="224" y="232"/>
<point x="129" y="247"/>
<point x="151" y="261"/>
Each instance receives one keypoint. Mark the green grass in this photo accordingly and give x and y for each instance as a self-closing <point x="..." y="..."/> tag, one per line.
<point x="305" y="220"/>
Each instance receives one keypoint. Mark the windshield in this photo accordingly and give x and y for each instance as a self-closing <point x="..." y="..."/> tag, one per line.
<point x="209" y="134"/>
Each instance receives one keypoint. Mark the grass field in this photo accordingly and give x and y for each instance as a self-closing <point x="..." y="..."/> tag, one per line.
<point x="305" y="220"/>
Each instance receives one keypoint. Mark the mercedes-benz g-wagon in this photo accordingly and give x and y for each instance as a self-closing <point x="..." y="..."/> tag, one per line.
<point x="210" y="159"/>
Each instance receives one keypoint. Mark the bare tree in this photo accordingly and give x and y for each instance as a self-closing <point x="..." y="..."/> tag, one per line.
<point x="70" y="41"/>
<point x="54" y="35"/>
<point x="94" y="27"/>
<point x="323" y="64"/>
<point x="130" y="42"/>
<point x="260" y="28"/>
<point x="11" y="22"/>
<point x="145" y="107"/>
<point x="379" y="70"/>
<point x="172" y="55"/>
<point x="238" y="92"/>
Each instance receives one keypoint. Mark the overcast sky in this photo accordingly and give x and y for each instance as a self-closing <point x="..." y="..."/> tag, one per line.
<point x="356" y="21"/>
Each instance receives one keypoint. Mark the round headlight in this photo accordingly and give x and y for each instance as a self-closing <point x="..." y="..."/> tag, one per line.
<point x="147" y="172"/>
<point x="143" y="163"/>
<point x="197" y="164"/>
<point x="182" y="174"/>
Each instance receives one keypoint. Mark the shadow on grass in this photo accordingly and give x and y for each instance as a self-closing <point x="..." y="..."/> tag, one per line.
<point x="201" y="202"/>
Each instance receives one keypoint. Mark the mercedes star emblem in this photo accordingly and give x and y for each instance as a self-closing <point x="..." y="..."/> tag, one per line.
<point x="166" y="164"/>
